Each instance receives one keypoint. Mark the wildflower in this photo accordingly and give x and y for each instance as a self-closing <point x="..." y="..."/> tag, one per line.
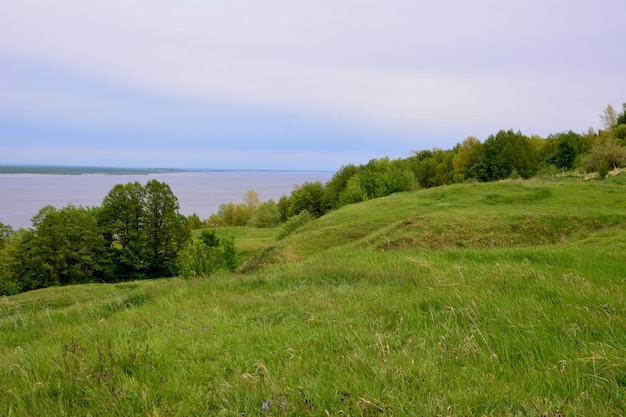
<point x="266" y="405"/>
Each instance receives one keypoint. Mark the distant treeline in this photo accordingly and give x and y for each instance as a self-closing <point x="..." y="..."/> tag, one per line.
<point x="74" y="170"/>
<point x="138" y="231"/>
<point x="506" y="154"/>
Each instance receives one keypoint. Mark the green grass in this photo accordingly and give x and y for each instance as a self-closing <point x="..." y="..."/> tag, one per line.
<point x="373" y="310"/>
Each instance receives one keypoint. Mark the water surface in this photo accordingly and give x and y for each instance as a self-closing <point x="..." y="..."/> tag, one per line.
<point x="23" y="195"/>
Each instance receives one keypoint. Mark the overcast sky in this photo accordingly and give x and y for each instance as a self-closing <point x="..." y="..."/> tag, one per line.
<point x="289" y="84"/>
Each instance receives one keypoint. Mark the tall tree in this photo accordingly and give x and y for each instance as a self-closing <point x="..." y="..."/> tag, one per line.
<point x="122" y="219"/>
<point x="67" y="247"/>
<point x="165" y="231"/>
<point x="143" y="228"/>
<point x="507" y="153"/>
<point x="609" y="118"/>
<point x="620" y="128"/>
<point x="337" y="185"/>
<point x="461" y="161"/>
<point x="307" y="197"/>
<point x="10" y="265"/>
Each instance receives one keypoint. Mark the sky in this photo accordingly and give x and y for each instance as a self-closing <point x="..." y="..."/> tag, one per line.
<point x="290" y="84"/>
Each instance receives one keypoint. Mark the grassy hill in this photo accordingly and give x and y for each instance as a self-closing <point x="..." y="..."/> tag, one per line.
<point x="476" y="299"/>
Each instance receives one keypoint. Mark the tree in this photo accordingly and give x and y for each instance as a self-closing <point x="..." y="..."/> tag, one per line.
<point x="427" y="172"/>
<point x="620" y="128"/>
<point x="194" y="222"/>
<point x="604" y="157"/>
<point x="251" y="199"/>
<point x="353" y="192"/>
<point x="10" y="264"/>
<point x="6" y="233"/>
<point x="206" y="254"/>
<point x="307" y="197"/>
<point x="569" y="145"/>
<point x="564" y="156"/>
<point x="266" y="215"/>
<point x="461" y="161"/>
<point x="621" y="118"/>
<point x="67" y="247"/>
<point x="143" y="229"/>
<point x="165" y="228"/>
<point x="122" y="219"/>
<point x="506" y="153"/>
<point x="337" y="185"/>
<point x="609" y="118"/>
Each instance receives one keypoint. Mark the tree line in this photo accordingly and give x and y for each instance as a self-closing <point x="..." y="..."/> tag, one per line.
<point x="137" y="232"/>
<point x="506" y="154"/>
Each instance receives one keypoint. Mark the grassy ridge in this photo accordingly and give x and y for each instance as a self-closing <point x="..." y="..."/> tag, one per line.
<point x="504" y="214"/>
<point x="478" y="299"/>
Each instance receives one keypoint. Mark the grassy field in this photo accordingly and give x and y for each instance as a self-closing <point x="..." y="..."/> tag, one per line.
<point x="467" y="300"/>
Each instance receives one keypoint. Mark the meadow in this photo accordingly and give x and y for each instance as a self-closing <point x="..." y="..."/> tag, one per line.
<point x="478" y="299"/>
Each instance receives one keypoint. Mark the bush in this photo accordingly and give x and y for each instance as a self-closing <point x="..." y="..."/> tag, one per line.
<point x="294" y="223"/>
<point x="604" y="157"/>
<point x="229" y="253"/>
<point x="207" y="254"/>
<point x="209" y="238"/>
<point x="266" y="215"/>
<point x="199" y="260"/>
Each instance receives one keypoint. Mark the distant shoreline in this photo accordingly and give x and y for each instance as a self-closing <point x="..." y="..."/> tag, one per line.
<point x="77" y="170"/>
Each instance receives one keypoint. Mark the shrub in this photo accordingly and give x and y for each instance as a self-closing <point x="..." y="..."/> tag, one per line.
<point x="604" y="157"/>
<point x="207" y="254"/>
<point x="199" y="260"/>
<point x="266" y="215"/>
<point x="294" y="223"/>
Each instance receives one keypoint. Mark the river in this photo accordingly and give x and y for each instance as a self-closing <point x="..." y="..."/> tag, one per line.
<point x="200" y="192"/>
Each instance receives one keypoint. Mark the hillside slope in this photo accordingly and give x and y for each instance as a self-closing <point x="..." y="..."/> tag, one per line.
<point x="481" y="215"/>
<point x="505" y="299"/>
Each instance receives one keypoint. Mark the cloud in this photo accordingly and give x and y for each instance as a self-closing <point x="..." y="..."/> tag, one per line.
<point x="411" y="73"/>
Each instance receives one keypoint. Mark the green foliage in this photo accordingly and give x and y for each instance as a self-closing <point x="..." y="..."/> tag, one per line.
<point x="165" y="231"/>
<point x="10" y="261"/>
<point x="621" y="118"/>
<point x="353" y="192"/>
<point x="480" y="322"/>
<point x="199" y="260"/>
<point x="336" y="186"/>
<point x="307" y="197"/>
<point x="609" y="118"/>
<point x="604" y="157"/>
<point x="266" y="215"/>
<point x="144" y="230"/>
<point x="207" y="254"/>
<point x="232" y="214"/>
<point x="229" y="253"/>
<point x="194" y="222"/>
<point x="463" y="155"/>
<point x="209" y="238"/>
<point x="504" y="153"/>
<point x="121" y="218"/>
<point x="564" y="156"/>
<point x="294" y="223"/>
<point x="6" y="233"/>
<point x="564" y="150"/>
<point x="66" y="248"/>
<point x="427" y="172"/>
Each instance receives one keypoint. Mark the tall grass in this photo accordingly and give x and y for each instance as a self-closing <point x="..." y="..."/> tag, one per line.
<point x="359" y="325"/>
